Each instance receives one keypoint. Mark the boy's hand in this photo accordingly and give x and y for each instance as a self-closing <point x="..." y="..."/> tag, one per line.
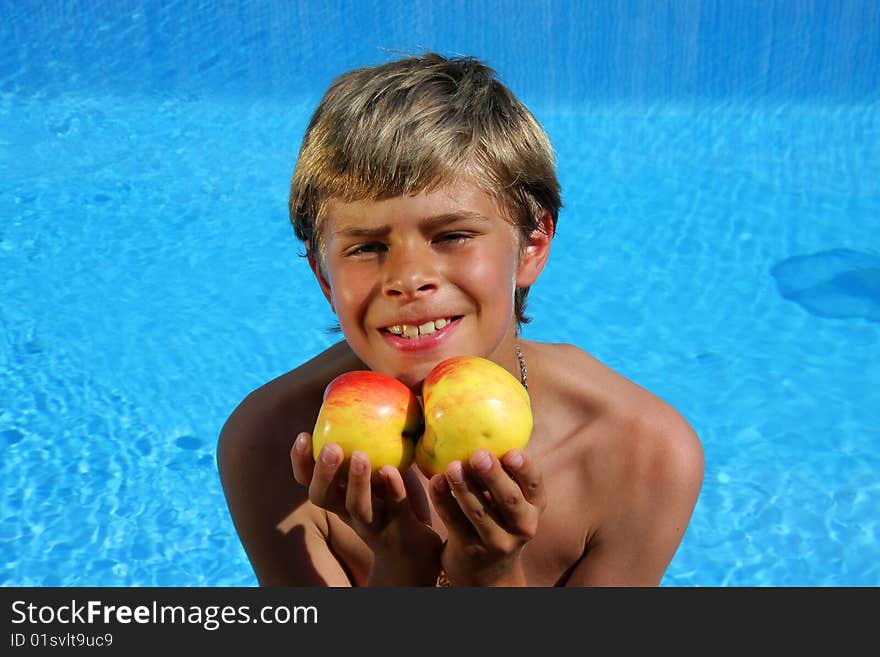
<point x="491" y="510"/>
<point x="388" y="510"/>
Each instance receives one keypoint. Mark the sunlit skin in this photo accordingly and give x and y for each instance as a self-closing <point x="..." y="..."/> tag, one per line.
<point x="446" y="254"/>
<point x="604" y="488"/>
<point x="600" y="495"/>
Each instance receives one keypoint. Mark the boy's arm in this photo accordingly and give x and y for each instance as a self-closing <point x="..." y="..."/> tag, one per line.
<point x="651" y="504"/>
<point x="286" y="538"/>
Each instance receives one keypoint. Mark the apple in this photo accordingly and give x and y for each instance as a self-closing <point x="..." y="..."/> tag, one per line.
<point x="372" y="412"/>
<point x="471" y="403"/>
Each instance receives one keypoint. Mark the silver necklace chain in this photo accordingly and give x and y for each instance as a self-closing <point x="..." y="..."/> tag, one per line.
<point x="523" y="370"/>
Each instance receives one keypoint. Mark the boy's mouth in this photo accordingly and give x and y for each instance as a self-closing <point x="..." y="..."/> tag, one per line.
<point x="413" y="331"/>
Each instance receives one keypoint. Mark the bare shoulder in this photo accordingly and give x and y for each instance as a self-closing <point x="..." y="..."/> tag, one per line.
<point x="285" y="401"/>
<point x="602" y="402"/>
<point x="634" y="457"/>
<point x="269" y="509"/>
<point x="269" y="418"/>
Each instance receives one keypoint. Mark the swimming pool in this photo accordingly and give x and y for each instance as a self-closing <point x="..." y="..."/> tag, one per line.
<point x="719" y="245"/>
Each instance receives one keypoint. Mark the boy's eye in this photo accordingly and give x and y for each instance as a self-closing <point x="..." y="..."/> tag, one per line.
<point x="455" y="236"/>
<point x="364" y="249"/>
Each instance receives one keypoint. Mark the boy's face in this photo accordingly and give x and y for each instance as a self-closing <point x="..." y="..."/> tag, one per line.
<point x="416" y="279"/>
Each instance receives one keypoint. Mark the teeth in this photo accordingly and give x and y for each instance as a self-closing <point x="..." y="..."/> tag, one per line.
<point x="408" y="331"/>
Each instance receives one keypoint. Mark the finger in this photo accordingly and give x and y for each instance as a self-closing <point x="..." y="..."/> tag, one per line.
<point x="517" y="514"/>
<point x="394" y="490"/>
<point x="448" y="510"/>
<point x="474" y="505"/>
<point x="527" y="475"/>
<point x="358" y="493"/>
<point x="416" y="494"/>
<point x="301" y="458"/>
<point x="326" y="484"/>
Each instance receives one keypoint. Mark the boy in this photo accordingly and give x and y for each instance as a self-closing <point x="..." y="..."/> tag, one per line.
<point x="427" y="199"/>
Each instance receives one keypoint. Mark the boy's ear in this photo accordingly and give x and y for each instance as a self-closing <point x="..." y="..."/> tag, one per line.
<point x="535" y="251"/>
<point x="316" y="270"/>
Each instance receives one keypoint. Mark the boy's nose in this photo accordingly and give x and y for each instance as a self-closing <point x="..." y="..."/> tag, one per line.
<point x="409" y="275"/>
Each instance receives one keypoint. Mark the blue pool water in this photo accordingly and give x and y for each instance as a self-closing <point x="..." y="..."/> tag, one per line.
<point x="719" y="245"/>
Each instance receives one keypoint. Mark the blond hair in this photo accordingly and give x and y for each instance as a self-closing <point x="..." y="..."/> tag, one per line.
<point x="413" y="125"/>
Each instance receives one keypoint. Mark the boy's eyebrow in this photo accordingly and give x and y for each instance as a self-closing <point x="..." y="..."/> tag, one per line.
<point x="427" y="223"/>
<point x="451" y="217"/>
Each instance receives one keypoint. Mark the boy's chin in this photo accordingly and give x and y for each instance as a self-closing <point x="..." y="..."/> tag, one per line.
<point x="413" y="377"/>
<point x="413" y="381"/>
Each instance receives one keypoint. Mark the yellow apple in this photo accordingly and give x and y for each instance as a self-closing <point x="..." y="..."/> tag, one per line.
<point x="372" y="412"/>
<point x="471" y="403"/>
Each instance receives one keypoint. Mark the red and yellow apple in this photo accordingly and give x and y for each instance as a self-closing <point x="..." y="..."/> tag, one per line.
<point x="371" y="412"/>
<point x="471" y="403"/>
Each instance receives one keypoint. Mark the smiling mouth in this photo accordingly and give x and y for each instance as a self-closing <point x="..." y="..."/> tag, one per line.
<point x="412" y="331"/>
